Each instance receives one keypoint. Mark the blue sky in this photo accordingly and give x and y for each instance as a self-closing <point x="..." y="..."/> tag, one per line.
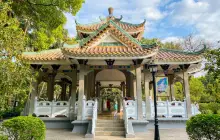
<point x="168" y="20"/>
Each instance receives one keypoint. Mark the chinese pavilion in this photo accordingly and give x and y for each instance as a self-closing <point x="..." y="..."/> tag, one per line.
<point x="109" y="54"/>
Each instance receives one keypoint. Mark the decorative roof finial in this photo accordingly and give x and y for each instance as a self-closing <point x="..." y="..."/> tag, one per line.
<point x="110" y="11"/>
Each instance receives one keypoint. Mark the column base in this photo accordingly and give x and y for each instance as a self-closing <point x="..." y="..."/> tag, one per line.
<point x="80" y="126"/>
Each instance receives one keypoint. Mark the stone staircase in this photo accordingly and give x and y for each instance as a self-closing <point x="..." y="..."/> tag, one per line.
<point x="110" y="127"/>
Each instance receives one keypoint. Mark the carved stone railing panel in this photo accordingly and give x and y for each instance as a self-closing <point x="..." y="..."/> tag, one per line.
<point x="131" y="107"/>
<point x="89" y="108"/>
<point x="165" y="109"/>
<point x="62" y="108"/>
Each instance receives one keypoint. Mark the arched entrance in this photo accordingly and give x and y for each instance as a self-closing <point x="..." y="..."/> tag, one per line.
<point x="110" y="89"/>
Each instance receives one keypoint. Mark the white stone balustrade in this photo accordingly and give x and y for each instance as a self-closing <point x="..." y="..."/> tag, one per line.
<point x="62" y="108"/>
<point x="164" y="108"/>
<point x="51" y="109"/>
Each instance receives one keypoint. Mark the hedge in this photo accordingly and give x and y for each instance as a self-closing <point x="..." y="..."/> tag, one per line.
<point x="10" y="113"/>
<point x="24" y="128"/>
<point x="207" y="108"/>
<point x="3" y="137"/>
<point x="204" y="126"/>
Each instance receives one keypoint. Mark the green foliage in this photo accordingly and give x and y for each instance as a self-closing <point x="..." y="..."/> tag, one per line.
<point x="3" y="137"/>
<point x="15" y="74"/>
<point x="196" y="89"/>
<point x="204" y="126"/>
<point x="113" y="94"/>
<point x="209" y="107"/>
<point x="212" y="88"/>
<point x="42" y="21"/>
<point x="171" y="45"/>
<point x="10" y="112"/>
<point x="150" y="41"/>
<point x="203" y="89"/>
<point x="167" y="45"/>
<point x="178" y="91"/>
<point x="24" y="128"/>
<point x="213" y="62"/>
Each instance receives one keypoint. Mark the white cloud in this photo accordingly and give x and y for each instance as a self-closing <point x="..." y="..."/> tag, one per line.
<point x="204" y="15"/>
<point x="132" y="11"/>
<point x="173" y="39"/>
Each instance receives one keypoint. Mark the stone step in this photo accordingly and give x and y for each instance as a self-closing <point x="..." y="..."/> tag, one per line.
<point x="110" y="133"/>
<point x="109" y="121"/>
<point x="110" y="129"/>
<point x="110" y="124"/>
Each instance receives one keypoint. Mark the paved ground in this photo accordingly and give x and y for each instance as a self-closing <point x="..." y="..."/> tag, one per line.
<point x="165" y="134"/>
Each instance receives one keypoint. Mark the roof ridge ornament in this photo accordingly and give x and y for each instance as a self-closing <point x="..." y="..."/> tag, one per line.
<point x="76" y="22"/>
<point x="110" y="11"/>
<point x="119" y="19"/>
<point x="102" y="19"/>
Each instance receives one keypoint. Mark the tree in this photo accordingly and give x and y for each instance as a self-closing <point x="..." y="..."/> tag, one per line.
<point x="192" y="43"/>
<point x="172" y="45"/>
<point x="15" y="75"/>
<point x="196" y="89"/>
<point x="167" y="45"/>
<point x="212" y="88"/>
<point x="42" y="20"/>
<point x="213" y="62"/>
<point x="178" y="91"/>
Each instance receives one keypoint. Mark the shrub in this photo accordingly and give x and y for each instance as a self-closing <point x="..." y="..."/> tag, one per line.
<point x="208" y="111"/>
<point x="10" y="113"/>
<point x="3" y="137"/>
<point x="214" y="107"/>
<point x="24" y="128"/>
<point x="204" y="126"/>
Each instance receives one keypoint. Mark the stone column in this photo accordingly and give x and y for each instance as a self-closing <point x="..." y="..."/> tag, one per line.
<point x="73" y="92"/>
<point x="127" y="83"/>
<point x="86" y="87"/>
<point x="34" y="90"/>
<point x="187" y="93"/>
<point x="51" y="82"/>
<point x="70" y="88"/>
<point x="50" y="86"/>
<point x="139" y="93"/>
<point x="147" y="78"/>
<point x="171" y="83"/>
<point x="81" y="95"/>
<point x="63" y="89"/>
<point x="123" y="89"/>
<point x="92" y="83"/>
<point x="33" y="95"/>
<point x="131" y="85"/>
<point x="135" y="88"/>
<point x="98" y="95"/>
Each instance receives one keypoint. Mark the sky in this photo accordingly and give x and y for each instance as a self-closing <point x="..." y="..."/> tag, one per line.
<point x="168" y="20"/>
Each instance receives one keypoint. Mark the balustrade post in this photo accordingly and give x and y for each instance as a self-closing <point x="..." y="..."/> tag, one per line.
<point x="83" y="107"/>
<point x="185" y="108"/>
<point x="35" y="104"/>
<point x="136" y="107"/>
<point x="96" y="107"/>
<point x="52" y="102"/>
<point x="167" y="103"/>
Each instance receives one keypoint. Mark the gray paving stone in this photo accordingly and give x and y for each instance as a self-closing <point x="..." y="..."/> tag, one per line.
<point x="165" y="134"/>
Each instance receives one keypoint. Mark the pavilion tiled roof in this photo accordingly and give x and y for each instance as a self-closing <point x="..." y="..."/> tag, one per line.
<point x="126" y="46"/>
<point x="128" y="27"/>
<point x="109" y="51"/>
<point x="112" y="28"/>
<point x="159" y="55"/>
<point x="168" y="55"/>
<point x="48" y="55"/>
